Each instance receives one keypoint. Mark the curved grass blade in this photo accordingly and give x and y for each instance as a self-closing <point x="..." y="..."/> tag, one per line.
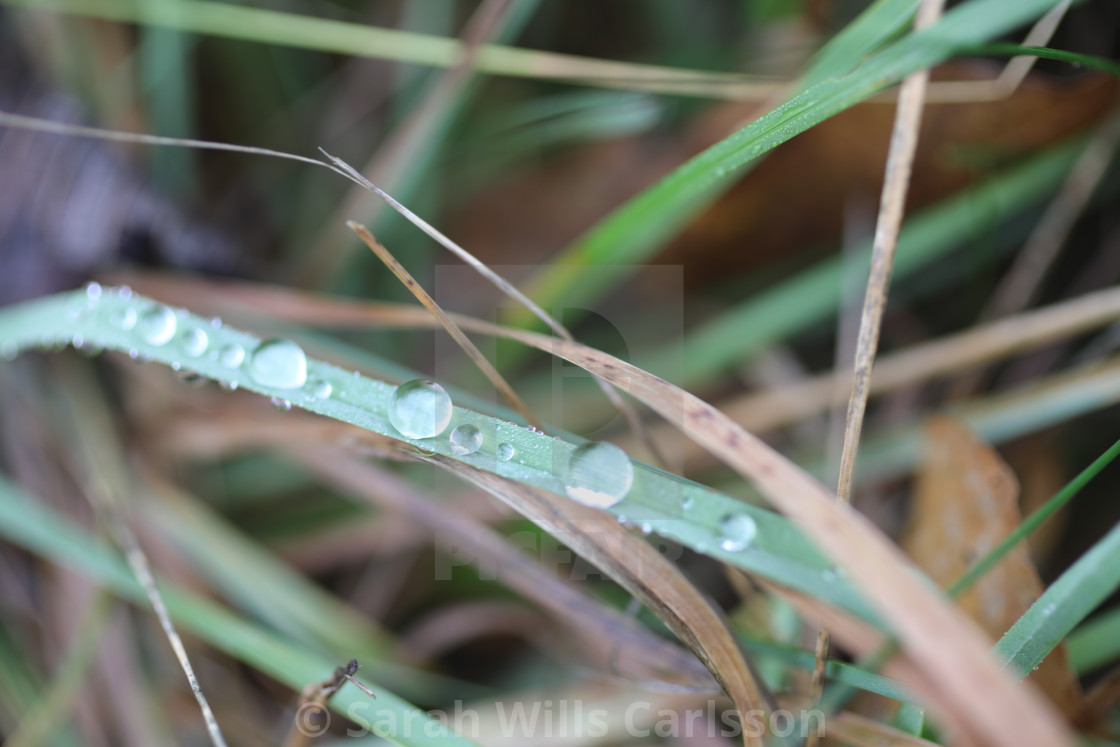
<point x="672" y="506"/>
<point x="1074" y="58"/>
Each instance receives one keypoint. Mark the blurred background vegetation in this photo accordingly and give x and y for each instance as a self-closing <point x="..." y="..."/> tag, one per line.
<point x="746" y="296"/>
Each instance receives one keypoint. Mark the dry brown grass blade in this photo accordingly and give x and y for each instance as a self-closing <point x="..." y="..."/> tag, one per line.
<point x="505" y="287"/>
<point x="900" y="162"/>
<point x="949" y="648"/>
<point x="445" y="321"/>
<point x="965" y="501"/>
<point x="400" y="147"/>
<point x="858" y="731"/>
<point x="638" y="650"/>
<point x="642" y="571"/>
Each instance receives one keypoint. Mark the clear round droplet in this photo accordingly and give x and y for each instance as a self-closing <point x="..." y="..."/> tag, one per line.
<point x="736" y="532"/>
<point x="157" y="325"/>
<point x="420" y="409"/>
<point x="227" y="386"/>
<point x="645" y="527"/>
<point x="231" y="355"/>
<point x="319" y="389"/>
<point x="93" y="291"/>
<point x="194" y="342"/>
<point x="686" y="504"/>
<point x="465" y="439"/>
<point x="191" y="378"/>
<point x="598" y="474"/>
<point x="124" y="319"/>
<point x="278" y="363"/>
<point x="281" y="404"/>
<point x="506" y="452"/>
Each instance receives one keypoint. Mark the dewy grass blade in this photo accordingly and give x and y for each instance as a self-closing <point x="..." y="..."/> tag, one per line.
<point x="118" y="319"/>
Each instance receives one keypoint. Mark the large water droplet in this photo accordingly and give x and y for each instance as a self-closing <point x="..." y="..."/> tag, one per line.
<point x="157" y="325"/>
<point x="506" y="452"/>
<point x="194" y="342"/>
<point x="736" y="532"/>
<point x="420" y="409"/>
<point x="278" y="363"/>
<point x="466" y="439"/>
<point x="231" y="355"/>
<point x="599" y="474"/>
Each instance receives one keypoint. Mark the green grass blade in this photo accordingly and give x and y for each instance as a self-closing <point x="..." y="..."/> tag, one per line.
<point x="814" y="295"/>
<point x="882" y="21"/>
<point x="631" y="233"/>
<point x="668" y="504"/>
<point x="1074" y="58"/>
<point x="1063" y="605"/>
<point x="1096" y="643"/>
<point x="29" y="524"/>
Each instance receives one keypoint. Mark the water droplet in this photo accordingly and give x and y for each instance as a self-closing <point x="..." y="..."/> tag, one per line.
<point x="194" y="342"/>
<point x="645" y="527"/>
<point x="281" y="404"/>
<point x="93" y="291"/>
<point x="157" y="325"/>
<point x="420" y="409"/>
<point x="124" y="292"/>
<point x="686" y="504"/>
<point x="278" y="363"/>
<point x="227" y="386"/>
<point x="78" y="341"/>
<point x="598" y="474"/>
<point x="532" y="429"/>
<point x="231" y="355"/>
<point x="191" y="378"/>
<point x="829" y="575"/>
<point x="466" y="439"/>
<point x="506" y="452"/>
<point x="736" y="532"/>
<point x="623" y="520"/>
<point x="216" y="323"/>
<point x="124" y="319"/>
<point x="318" y="389"/>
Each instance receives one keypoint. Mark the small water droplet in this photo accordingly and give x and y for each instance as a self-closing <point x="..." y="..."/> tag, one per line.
<point x="124" y="319"/>
<point x="227" y="386"/>
<point x="124" y="292"/>
<point x="191" y="378"/>
<point x="216" y="323"/>
<point x="645" y="527"/>
<point x="598" y="474"/>
<point x="736" y="532"/>
<point x="420" y="409"/>
<point x="78" y="341"/>
<point x="532" y="429"/>
<point x="687" y="503"/>
<point x="157" y="325"/>
<point x="506" y="452"/>
<point x="829" y="575"/>
<point x="281" y="404"/>
<point x="278" y="363"/>
<point x="1049" y="609"/>
<point x="93" y="291"/>
<point x="193" y="342"/>
<point x="231" y="355"/>
<point x="318" y="389"/>
<point x="623" y="520"/>
<point x="465" y="439"/>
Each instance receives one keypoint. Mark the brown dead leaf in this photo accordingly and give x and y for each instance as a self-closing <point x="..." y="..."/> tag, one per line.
<point x="966" y="500"/>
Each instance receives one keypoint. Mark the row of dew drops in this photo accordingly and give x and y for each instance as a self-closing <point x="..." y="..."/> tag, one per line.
<point x="597" y="474"/>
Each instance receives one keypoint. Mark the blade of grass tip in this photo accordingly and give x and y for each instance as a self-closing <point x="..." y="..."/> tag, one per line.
<point x="505" y="287"/>
<point x="900" y="160"/>
<point x="100" y="466"/>
<point x="423" y="128"/>
<point x="452" y="328"/>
